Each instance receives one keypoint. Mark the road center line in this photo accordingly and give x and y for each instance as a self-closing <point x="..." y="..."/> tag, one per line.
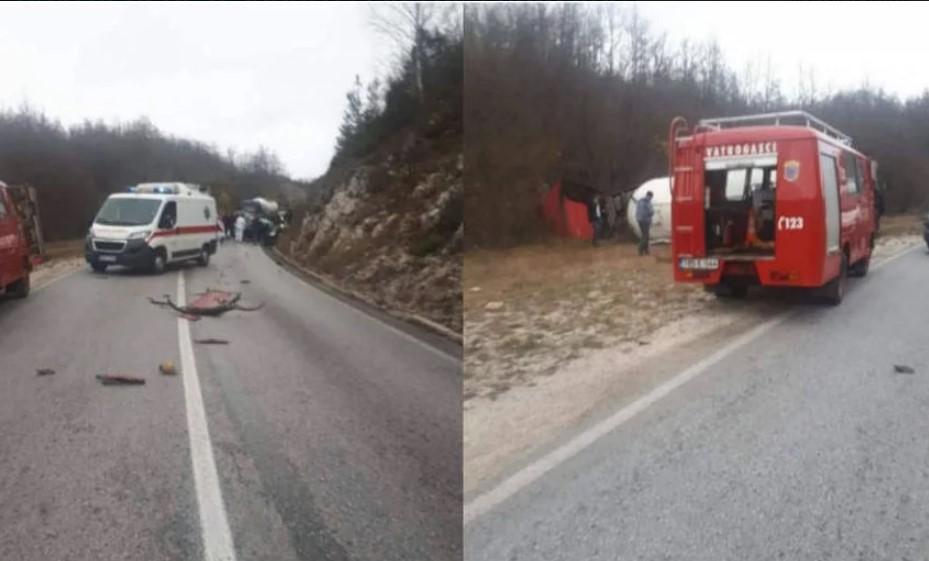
<point x="214" y="527"/>
<point x="487" y="501"/>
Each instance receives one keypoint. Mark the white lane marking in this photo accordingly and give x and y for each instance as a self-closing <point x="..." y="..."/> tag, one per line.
<point x="440" y="353"/>
<point x="487" y="501"/>
<point x="897" y="255"/>
<point x="214" y="527"/>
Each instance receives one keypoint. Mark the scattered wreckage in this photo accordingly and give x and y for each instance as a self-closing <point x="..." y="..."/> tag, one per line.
<point x="212" y="303"/>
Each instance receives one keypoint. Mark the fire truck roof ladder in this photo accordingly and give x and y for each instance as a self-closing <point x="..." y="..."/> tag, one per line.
<point x="782" y="118"/>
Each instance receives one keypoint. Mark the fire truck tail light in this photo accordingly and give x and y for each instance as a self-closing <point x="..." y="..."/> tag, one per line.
<point x="785" y="276"/>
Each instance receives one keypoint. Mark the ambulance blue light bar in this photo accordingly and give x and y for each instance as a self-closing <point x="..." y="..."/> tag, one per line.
<point x="156" y="189"/>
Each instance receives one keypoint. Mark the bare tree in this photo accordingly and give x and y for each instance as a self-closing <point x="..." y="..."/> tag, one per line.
<point x="610" y="12"/>
<point x="406" y="24"/>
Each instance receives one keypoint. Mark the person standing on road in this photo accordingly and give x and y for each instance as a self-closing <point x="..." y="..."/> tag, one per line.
<point x="595" y="216"/>
<point x="228" y="225"/>
<point x="239" y="228"/>
<point x="643" y="215"/>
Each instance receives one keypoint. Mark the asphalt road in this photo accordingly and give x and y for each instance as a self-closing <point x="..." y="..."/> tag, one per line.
<point x="334" y="435"/>
<point x="800" y="444"/>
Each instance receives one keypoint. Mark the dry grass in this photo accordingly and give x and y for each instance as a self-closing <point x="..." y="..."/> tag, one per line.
<point x="529" y="310"/>
<point x="901" y="225"/>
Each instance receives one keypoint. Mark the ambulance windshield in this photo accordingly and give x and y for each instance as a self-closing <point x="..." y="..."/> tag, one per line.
<point x="127" y="212"/>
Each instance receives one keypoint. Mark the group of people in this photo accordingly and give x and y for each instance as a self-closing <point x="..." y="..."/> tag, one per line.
<point x="596" y="214"/>
<point x="259" y="230"/>
<point x="234" y="225"/>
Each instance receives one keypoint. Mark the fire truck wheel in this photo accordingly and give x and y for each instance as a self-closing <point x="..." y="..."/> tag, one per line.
<point x="834" y="291"/>
<point x="726" y="290"/>
<point x="20" y="288"/>
<point x="860" y="268"/>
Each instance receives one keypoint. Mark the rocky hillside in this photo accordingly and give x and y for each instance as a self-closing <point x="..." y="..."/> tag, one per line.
<point x="391" y="227"/>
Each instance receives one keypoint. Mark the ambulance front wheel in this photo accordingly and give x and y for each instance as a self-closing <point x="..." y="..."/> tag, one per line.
<point x="158" y="262"/>
<point x="204" y="259"/>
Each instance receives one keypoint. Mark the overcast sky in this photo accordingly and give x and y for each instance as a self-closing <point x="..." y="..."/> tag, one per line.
<point x="847" y="43"/>
<point x="234" y="75"/>
<point x="241" y="75"/>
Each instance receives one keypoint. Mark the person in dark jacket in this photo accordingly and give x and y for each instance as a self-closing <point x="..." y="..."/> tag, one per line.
<point x="595" y="216"/>
<point x="229" y="225"/>
<point x="643" y="215"/>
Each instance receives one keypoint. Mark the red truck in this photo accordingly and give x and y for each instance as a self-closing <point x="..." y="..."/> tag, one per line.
<point x="779" y="199"/>
<point x="20" y="238"/>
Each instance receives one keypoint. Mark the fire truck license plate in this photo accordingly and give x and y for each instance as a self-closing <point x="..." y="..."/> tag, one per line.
<point x="705" y="264"/>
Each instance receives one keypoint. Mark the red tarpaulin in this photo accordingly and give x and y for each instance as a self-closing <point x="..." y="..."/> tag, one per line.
<point x="564" y="216"/>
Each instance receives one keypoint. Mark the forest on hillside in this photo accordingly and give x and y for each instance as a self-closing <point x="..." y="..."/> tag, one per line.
<point x="556" y="90"/>
<point x="75" y="168"/>
<point x="416" y="109"/>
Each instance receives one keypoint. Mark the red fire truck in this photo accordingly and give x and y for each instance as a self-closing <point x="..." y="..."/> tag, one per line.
<point x="20" y="238"/>
<point x="779" y="199"/>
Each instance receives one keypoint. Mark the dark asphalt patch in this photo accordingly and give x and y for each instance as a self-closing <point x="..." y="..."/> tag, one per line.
<point x="292" y="498"/>
<point x="120" y="380"/>
<point x="903" y="369"/>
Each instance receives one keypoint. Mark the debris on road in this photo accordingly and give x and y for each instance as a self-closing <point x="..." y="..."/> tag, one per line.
<point x="120" y="380"/>
<point x="211" y="303"/>
<point x="245" y="281"/>
<point x="211" y="341"/>
<point x="903" y="369"/>
<point x="167" y="368"/>
<point x="44" y="372"/>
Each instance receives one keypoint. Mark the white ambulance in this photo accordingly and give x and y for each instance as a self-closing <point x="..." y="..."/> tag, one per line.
<point x="152" y="225"/>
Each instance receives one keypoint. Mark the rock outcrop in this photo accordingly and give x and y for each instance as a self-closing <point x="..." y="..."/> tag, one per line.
<point x="390" y="228"/>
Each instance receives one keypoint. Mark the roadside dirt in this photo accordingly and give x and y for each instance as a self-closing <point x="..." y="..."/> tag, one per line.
<point x="530" y="310"/>
<point x="554" y="331"/>
<point x="53" y="269"/>
<point x="60" y="259"/>
<point x="64" y="249"/>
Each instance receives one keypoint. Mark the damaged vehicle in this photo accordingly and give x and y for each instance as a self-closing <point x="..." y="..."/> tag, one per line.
<point x="265" y="220"/>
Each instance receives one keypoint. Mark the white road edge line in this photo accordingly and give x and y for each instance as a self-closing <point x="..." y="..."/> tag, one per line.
<point x="214" y="527"/>
<point x="434" y="350"/>
<point x="487" y="501"/>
